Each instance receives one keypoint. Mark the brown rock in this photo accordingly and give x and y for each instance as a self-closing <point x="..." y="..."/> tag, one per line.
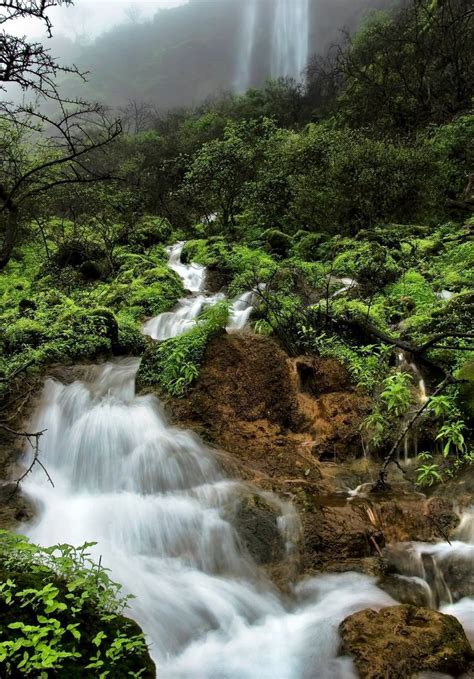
<point x="401" y="641"/>
<point x="335" y="534"/>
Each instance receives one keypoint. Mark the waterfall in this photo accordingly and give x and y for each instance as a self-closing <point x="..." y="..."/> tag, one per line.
<point x="164" y="516"/>
<point x="183" y="317"/>
<point x="290" y="43"/>
<point x="246" y="46"/>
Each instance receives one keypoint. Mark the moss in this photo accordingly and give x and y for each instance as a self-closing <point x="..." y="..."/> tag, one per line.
<point x="308" y="247"/>
<point x="466" y="388"/>
<point x="277" y="242"/>
<point x="370" y="263"/>
<point x="131" y="341"/>
<point x="24" y="333"/>
<point x="148" y="231"/>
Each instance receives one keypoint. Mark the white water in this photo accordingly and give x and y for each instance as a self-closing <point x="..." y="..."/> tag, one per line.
<point x="183" y="317"/>
<point x="163" y="515"/>
<point x="290" y="44"/>
<point x="246" y="46"/>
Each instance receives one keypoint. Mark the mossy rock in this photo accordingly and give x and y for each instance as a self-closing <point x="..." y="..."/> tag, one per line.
<point x="277" y="242"/>
<point x="75" y="252"/>
<point x="24" y="333"/>
<point x="401" y="641"/>
<point x="466" y="388"/>
<point x="92" y="270"/>
<point x="148" y="231"/>
<point x="308" y="247"/>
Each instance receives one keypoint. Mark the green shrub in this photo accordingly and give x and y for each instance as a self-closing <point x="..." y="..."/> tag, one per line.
<point x="61" y="616"/>
<point x="174" y="364"/>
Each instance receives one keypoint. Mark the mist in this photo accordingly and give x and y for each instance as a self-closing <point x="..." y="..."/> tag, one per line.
<point x="87" y="19"/>
<point x="174" y="53"/>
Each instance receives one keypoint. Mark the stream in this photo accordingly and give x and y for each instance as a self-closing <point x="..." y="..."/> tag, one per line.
<point x="163" y="514"/>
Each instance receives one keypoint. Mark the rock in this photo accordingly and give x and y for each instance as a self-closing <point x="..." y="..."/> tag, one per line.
<point x="15" y="507"/>
<point x="217" y="279"/>
<point x="336" y="534"/>
<point x="401" y="641"/>
<point x="406" y="590"/>
<point x="256" y="523"/>
<point x="319" y="376"/>
<point x="407" y="519"/>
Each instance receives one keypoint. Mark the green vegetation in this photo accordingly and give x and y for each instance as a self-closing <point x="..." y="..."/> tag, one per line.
<point x="60" y="613"/>
<point x="173" y="365"/>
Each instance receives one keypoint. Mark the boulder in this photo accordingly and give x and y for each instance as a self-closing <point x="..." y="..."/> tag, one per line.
<point x="401" y="641"/>
<point x="256" y="523"/>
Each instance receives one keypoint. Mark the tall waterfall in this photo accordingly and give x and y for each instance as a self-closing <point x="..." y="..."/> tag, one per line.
<point x="290" y="44"/>
<point x="246" y="47"/>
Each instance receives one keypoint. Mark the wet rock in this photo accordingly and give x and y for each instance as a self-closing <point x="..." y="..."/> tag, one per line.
<point x="338" y="534"/>
<point x="401" y="641"/>
<point x="319" y="376"/>
<point x="332" y="407"/>
<point x="256" y="523"/>
<point x="15" y="508"/>
<point x="406" y="590"/>
<point x="407" y="519"/>
<point x="216" y="279"/>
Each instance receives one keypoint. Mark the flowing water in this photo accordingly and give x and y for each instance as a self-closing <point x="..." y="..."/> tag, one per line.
<point x="164" y="516"/>
<point x="243" y="77"/>
<point x="183" y="317"/>
<point x="289" y="44"/>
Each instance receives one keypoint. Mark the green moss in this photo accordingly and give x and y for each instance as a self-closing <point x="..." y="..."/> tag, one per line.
<point x="466" y="388"/>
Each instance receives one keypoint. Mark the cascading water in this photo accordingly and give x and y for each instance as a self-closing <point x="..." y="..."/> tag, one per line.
<point x="290" y="44"/>
<point x="163" y="514"/>
<point x="246" y="46"/>
<point x="183" y="317"/>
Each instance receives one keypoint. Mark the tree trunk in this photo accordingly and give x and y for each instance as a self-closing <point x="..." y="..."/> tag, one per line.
<point x="9" y="236"/>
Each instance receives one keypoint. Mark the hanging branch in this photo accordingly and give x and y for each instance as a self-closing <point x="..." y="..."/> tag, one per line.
<point x="381" y="483"/>
<point x="33" y="439"/>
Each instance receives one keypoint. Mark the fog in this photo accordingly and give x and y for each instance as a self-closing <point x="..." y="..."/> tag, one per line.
<point x="173" y="53"/>
<point x="87" y="19"/>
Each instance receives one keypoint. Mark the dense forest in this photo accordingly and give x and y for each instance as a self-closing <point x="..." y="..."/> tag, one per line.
<point x="343" y="204"/>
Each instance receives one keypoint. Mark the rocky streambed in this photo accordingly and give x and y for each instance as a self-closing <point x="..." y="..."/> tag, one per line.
<point x="250" y="541"/>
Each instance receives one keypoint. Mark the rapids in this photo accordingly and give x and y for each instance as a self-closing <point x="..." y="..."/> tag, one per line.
<point x="163" y="515"/>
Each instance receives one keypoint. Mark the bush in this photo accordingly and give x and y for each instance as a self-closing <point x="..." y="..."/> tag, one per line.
<point x="174" y="364"/>
<point x="61" y="616"/>
<point x="148" y="231"/>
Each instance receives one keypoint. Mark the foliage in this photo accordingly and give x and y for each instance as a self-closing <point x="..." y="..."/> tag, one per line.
<point x="174" y="364"/>
<point x="61" y="613"/>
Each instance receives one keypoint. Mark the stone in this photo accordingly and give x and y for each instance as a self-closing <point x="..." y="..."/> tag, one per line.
<point x="401" y="641"/>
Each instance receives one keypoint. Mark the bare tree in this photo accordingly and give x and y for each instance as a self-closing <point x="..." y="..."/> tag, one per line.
<point x="38" y="150"/>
